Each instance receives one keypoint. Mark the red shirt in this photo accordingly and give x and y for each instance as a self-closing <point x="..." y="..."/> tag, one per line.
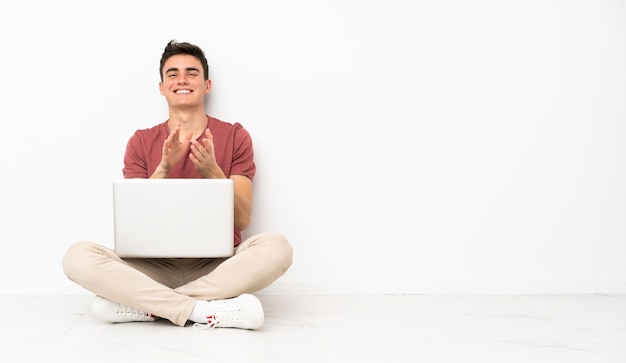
<point x="232" y="144"/>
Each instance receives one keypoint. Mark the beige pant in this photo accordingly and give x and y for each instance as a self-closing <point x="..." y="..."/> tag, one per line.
<point x="170" y="287"/>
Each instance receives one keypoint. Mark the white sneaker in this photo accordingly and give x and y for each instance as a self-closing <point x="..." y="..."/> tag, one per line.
<point x="118" y="313"/>
<point x="244" y="312"/>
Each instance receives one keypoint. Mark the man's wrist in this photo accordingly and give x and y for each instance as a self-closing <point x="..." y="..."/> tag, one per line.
<point x="159" y="173"/>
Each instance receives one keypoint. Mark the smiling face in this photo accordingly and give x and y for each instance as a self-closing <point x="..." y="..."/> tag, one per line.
<point x="183" y="82"/>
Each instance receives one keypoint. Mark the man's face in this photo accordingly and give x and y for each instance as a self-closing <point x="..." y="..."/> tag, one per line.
<point x="183" y="82"/>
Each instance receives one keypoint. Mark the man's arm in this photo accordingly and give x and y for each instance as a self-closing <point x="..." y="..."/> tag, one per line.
<point x="203" y="157"/>
<point x="243" y="201"/>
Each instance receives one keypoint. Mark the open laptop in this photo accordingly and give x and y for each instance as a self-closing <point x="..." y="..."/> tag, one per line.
<point x="176" y="218"/>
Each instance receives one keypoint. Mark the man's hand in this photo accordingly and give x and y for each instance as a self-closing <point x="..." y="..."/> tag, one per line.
<point x="174" y="150"/>
<point x="203" y="157"/>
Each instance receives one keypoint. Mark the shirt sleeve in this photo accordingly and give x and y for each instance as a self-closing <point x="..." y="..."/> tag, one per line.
<point x="135" y="164"/>
<point x="243" y="153"/>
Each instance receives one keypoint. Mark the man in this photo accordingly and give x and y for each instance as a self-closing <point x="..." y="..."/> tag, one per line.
<point x="190" y="144"/>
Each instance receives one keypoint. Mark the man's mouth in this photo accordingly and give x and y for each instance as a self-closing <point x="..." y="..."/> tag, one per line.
<point x="182" y="91"/>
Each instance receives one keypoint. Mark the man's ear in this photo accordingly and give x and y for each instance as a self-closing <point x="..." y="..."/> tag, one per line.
<point x="161" y="88"/>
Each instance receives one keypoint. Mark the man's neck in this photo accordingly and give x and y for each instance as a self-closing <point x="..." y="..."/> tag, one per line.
<point x="194" y="121"/>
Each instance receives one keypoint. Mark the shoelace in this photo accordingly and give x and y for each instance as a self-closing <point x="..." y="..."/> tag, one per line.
<point x="223" y="317"/>
<point x="125" y="310"/>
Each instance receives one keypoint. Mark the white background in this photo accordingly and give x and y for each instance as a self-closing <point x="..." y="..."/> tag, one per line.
<point x="402" y="146"/>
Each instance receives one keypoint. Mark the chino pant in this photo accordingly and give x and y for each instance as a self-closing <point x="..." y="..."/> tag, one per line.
<point x="170" y="287"/>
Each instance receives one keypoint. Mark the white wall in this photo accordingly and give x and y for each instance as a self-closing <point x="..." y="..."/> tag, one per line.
<point x="403" y="147"/>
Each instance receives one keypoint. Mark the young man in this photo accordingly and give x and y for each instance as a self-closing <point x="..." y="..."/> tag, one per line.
<point x="190" y="144"/>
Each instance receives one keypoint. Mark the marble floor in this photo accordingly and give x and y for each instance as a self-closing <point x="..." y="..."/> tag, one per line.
<point x="322" y="328"/>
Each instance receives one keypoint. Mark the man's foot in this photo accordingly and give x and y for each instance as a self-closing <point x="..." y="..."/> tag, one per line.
<point x="118" y="313"/>
<point x="244" y="312"/>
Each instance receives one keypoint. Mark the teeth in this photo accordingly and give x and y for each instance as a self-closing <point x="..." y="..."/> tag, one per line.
<point x="183" y="91"/>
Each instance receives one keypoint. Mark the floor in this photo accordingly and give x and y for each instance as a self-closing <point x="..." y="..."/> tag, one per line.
<point x="381" y="328"/>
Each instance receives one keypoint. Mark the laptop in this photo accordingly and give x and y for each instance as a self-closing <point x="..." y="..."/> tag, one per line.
<point x="173" y="218"/>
